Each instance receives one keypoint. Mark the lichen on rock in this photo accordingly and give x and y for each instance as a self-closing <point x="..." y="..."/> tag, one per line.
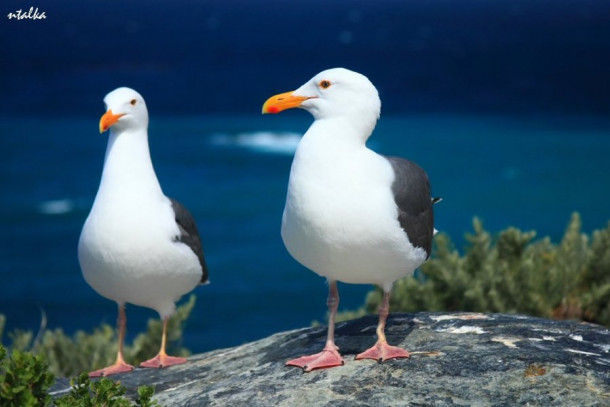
<point x="498" y="359"/>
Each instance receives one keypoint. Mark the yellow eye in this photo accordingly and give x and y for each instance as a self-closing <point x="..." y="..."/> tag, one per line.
<point x="133" y="102"/>
<point x="324" y="84"/>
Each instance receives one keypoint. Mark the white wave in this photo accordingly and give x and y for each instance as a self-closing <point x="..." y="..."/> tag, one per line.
<point x="56" y="207"/>
<point x="261" y="141"/>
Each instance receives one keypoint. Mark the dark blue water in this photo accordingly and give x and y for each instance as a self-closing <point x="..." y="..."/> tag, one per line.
<point x="505" y="105"/>
<point x="231" y="171"/>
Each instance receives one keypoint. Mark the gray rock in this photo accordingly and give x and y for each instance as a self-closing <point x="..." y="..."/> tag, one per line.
<point x="463" y="359"/>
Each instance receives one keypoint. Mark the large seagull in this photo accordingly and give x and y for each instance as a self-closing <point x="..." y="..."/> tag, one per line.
<point x="351" y="215"/>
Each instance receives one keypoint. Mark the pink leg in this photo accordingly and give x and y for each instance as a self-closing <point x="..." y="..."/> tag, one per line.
<point x="329" y="357"/>
<point x="162" y="359"/>
<point x="381" y="351"/>
<point x="119" y="366"/>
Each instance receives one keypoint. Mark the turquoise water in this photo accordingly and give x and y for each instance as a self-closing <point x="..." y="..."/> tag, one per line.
<point x="232" y="171"/>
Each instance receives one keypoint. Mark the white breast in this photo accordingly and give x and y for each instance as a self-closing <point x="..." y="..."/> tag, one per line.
<point x="340" y="218"/>
<point x="127" y="248"/>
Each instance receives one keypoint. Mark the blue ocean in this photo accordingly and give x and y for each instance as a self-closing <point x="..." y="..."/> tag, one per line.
<point x="506" y="106"/>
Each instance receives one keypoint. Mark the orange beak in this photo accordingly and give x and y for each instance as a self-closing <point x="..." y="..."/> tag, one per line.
<point x="283" y="101"/>
<point x="108" y="119"/>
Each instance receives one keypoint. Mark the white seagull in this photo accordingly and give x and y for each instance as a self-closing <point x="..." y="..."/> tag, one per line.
<point x="137" y="245"/>
<point x="351" y="215"/>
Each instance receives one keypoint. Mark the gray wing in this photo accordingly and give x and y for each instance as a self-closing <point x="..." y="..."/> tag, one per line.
<point x="189" y="235"/>
<point x="411" y="190"/>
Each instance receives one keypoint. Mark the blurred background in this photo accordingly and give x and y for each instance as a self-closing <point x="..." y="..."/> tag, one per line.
<point x="505" y="104"/>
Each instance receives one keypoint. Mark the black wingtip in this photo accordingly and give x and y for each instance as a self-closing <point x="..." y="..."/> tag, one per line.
<point x="189" y="235"/>
<point x="436" y="200"/>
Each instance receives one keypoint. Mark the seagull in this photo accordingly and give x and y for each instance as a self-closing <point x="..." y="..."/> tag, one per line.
<point x="137" y="246"/>
<point x="351" y="215"/>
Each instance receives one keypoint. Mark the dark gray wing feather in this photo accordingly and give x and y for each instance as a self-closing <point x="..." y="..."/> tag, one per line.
<point x="189" y="235"/>
<point x="411" y="189"/>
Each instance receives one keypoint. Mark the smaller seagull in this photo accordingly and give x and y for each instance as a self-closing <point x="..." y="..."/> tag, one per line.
<point x="137" y="245"/>
<point x="351" y="215"/>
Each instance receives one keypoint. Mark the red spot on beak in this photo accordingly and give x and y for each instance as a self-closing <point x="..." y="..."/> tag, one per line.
<point x="281" y="102"/>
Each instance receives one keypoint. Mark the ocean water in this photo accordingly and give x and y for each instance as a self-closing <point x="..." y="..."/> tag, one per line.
<point x="231" y="171"/>
<point x="505" y="103"/>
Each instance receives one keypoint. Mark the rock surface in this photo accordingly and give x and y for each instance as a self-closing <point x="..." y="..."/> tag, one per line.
<point x="463" y="359"/>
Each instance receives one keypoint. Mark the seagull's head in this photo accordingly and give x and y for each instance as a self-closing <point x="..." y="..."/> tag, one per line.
<point x="125" y="109"/>
<point x="336" y="92"/>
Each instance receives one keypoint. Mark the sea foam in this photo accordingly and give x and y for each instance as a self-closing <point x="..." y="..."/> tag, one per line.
<point x="260" y="141"/>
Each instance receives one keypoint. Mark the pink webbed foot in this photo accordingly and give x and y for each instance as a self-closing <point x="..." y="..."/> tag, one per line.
<point x="160" y="361"/>
<point x="329" y="357"/>
<point x="119" y="367"/>
<point x="381" y="352"/>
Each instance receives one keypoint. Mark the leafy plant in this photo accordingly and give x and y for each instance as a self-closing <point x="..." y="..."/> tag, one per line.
<point x="145" y="394"/>
<point x="24" y="379"/>
<point x="25" y="382"/>
<point x="511" y="273"/>
<point x="70" y="355"/>
<point x="103" y="392"/>
<point x="85" y="393"/>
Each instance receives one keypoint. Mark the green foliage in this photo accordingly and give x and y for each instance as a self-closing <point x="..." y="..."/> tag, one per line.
<point x="24" y="379"/>
<point x="70" y="355"/>
<point x="102" y="392"/>
<point x="82" y="352"/>
<point x="85" y="393"/>
<point x="512" y="273"/>
<point x="145" y="394"/>
<point x="25" y="382"/>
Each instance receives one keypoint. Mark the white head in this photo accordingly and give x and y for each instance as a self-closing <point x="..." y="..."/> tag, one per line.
<point x="334" y="93"/>
<point x="125" y="110"/>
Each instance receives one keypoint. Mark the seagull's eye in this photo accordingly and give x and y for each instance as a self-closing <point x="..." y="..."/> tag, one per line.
<point x="324" y="84"/>
<point x="133" y="102"/>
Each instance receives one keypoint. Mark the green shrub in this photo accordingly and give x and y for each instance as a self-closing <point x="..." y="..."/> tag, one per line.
<point x="25" y="382"/>
<point x="511" y="273"/>
<point x="85" y="393"/>
<point x="83" y="352"/>
<point x="102" y="392"/>
<point x="24" y="379"/>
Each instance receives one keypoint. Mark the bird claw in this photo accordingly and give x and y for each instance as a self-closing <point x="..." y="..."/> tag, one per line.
<point x="160" y="361"/>
<point x="329" y="357"/>
<point x="381" y="352"/>
<point x="111" y="370"/>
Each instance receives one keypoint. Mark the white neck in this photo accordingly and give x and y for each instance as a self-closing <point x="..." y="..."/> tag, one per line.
<point x="338" y="132"/>
<point x="329" y="149"/>
<point x="128" y="169"/>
